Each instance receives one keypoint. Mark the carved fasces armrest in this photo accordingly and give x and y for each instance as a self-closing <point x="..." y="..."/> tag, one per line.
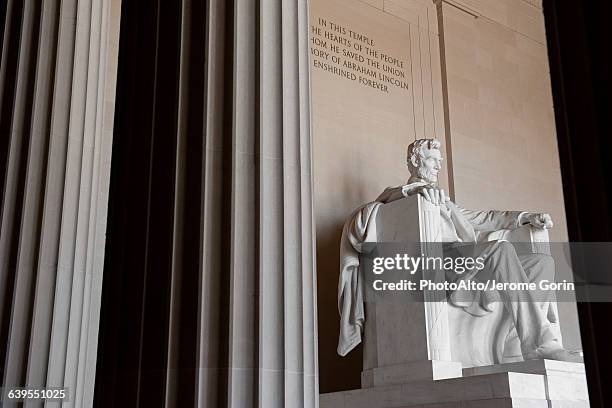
<point x="526" y="234"/>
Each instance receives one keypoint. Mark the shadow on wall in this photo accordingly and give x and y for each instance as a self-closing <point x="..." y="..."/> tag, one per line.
<point x="335" y="373"/>
<point x="338" y="192"/>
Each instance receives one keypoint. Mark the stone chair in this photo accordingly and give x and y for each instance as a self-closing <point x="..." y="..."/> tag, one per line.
<point x="414" y="341"/>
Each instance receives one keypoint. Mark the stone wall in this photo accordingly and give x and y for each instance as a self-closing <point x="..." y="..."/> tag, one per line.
<point x="500" y="109"/>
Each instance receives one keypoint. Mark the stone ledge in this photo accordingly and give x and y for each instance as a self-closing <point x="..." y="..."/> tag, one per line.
<point x="545" y="367"/>
<point x="565" y="382"/>
<point x="497" y="386"/>
<point x="489" y="403"/>
<point x="410" y="372"/>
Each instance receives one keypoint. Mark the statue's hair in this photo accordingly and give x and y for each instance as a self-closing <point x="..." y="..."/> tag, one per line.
<point x="415" y="151"/>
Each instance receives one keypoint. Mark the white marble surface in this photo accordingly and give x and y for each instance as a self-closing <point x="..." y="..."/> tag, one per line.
<point x="410" y="372"/>
<point x="474" y="390"/>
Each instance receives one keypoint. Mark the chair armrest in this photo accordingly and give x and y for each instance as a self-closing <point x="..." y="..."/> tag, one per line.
<point x="525" y="234"/>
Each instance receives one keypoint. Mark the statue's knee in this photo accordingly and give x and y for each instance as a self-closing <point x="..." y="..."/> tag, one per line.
<point x="545" y="261"/>
<point x="505" y="248"/>
<point x="546" y="264"/>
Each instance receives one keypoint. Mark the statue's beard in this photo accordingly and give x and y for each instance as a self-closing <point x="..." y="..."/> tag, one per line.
<point x="428" y="175"/>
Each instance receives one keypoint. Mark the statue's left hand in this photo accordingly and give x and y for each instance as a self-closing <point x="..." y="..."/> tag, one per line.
<point x="434" y="195"/>
<point x="538" y="220"/>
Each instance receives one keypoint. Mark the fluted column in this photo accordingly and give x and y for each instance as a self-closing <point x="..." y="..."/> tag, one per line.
<point x="207" y="259"/>
<point x="272" y="334"/>
<point x="210" y="280"/>
<point x="57" y="117"/>
<point x="271" y="348"/>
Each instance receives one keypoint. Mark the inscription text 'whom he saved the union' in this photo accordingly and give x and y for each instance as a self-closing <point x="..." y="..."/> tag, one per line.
<point x="352" y="55"/>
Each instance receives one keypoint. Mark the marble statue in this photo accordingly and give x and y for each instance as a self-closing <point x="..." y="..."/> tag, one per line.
<point x="531" y="317"/>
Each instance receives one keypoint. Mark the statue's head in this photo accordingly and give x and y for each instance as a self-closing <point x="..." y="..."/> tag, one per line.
<point x="424" y="159"/>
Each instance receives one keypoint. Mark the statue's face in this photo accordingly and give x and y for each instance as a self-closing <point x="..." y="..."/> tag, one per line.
<point x="430" y="165"/>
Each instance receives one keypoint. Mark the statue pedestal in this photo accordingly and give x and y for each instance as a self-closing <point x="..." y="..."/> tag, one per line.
<point x="529" y="384"/>
<point x="410" y="372"/>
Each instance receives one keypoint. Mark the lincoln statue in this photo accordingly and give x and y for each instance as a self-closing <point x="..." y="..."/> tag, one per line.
<point x="460" y="229"/>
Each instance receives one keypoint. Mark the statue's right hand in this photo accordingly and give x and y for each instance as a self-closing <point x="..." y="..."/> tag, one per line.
<point x="434" y="195"/>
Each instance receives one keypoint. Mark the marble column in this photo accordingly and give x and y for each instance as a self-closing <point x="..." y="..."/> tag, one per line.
<point x="272" y="339"/>
<point x="222" y="311"/>
<point x="210" y="271"/>
<point x="57" y="91"/>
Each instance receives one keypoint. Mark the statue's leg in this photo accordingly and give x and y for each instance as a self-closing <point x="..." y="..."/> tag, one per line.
<point x="541" y="267"/>
<point x="525" y="306"/>
<point x="504" y="265"/>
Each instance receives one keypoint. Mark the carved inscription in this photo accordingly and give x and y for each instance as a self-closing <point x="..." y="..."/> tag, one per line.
<point x="355" y="56"/>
